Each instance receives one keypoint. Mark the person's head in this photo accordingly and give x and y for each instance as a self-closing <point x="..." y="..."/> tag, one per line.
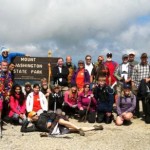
<point x="100" y="59"/>
<point x="56" y="89"/>
<point x="131" y="56"/>
<point x="36" y="88"/>
<point x="86" y="87"/>
<point x="68" y="60"/>
<point x="60" y="61"/>
<point x="33" y="116"/>
<point x="125" y="58"/>
<point x="17" y="91"/>
<point x="4" y="51"/>
<point x="11" y="66"/>
<point x="4" y="66"/>
<point x="144" y="58"/>
<point x="73" y="88"/>
<point x="127" y="89"/>
<point x="81" y="64"/>
<point x="88" y="59"/>
<point x="44" y="83"/>
<point x="109" y="56"/>
<point x="101" y="81"/>
<point x="28" y="87"/>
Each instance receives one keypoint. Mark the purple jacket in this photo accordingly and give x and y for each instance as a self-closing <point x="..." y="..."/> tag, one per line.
<point x="83" y="101"/>
<point x="86" y="76"/>
<point x="126" y="104"/>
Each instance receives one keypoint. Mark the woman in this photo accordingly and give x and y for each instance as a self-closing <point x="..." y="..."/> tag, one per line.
<point x="81" y="76"/>
<point x="36" y="101"/>
<point x="17" y="104"/>
<point x="70" y="101"/>
<point x="125" y="105"/>
<point x="87" y="104"/>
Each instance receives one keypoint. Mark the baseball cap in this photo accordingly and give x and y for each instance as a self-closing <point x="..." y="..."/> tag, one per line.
<point x="124" y="56"/>
<point x="144" y="55"/>
<point x="126" y="86"/>
<point x="132" y="53"/>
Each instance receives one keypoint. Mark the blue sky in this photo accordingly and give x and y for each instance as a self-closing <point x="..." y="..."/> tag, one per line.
<point x="76" y="27"/>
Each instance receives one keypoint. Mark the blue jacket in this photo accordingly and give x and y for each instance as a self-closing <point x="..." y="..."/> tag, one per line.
<point x="10" y="57"/>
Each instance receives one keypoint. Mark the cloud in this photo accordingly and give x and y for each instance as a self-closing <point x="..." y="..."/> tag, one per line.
<point x="74" y="27"/>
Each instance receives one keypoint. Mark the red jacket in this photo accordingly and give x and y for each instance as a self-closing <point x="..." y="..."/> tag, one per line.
<point x="15" y="107"/>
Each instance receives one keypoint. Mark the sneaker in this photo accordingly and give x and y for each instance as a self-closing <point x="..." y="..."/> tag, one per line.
<point x="98" y="127"/>
<point x="81" y="132"/>
<point x="44" y="134"/>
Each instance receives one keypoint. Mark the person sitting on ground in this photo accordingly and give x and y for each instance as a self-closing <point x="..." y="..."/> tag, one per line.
<point x="56" y="99"/>
<point x="5" y="55"/>
<point x="54" y="124"/>
<point x="17" y="105"/>
<point x="70" y="101"/>
<point x="126" y="104"/>
<point x="105" y="99"/>
<point x="87" y="105"/>
<point x="36" y="101"/>
<point x="27" y="89"/>
<point x="44" y="87"/>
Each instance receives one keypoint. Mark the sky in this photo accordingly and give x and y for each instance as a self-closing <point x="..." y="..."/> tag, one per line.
<point x="75" y="27"/>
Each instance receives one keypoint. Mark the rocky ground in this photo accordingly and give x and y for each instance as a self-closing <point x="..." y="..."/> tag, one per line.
<point x="133" y="137"/>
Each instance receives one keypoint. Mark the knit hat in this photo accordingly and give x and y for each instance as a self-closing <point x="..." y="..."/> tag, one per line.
<point x="3" y="49"/>
<point x="31" y="114"/>
<point x="132" y="53"/>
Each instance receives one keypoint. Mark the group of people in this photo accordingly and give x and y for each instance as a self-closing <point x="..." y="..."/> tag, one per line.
<point x="87" y="92"/>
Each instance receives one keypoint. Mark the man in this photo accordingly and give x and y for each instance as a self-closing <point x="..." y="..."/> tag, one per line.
<point x="132" y="60"/>
<point x="5" y="55"/>
<point x="111" y="65"/>
<point x="71" y="67"/>
<point x="5" y="87"/>
<point x="88" y="64"/>
<point x="99" y="70"/>
<point x="54" y="124"/>
<point x="11" y="68"/>
<point x="123" y="73"/>
<point x="60" y="75"/>
<point x="140" y="71"/>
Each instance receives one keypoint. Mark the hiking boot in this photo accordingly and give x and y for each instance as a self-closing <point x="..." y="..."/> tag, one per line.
<point x="81" y="132"/>
<point x="98" y="127"/>
<point x="44" y="134"/>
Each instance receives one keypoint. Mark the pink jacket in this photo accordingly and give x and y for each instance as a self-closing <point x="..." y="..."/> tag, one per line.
<point x="15" y="107"/>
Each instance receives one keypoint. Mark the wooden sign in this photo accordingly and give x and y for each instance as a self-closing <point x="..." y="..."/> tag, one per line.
<point x="33" y="68"/>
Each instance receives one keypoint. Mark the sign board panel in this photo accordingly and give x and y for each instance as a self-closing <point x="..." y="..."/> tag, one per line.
<point x="33" y="68"/>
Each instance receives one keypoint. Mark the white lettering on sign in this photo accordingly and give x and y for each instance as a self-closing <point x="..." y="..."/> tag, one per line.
<point x="20" y="65"/>
<point x="20" y="71"/>
<point x="36" y="71"/>
<point x="28" y="59"/>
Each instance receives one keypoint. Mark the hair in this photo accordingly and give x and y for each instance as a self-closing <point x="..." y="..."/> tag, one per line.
<point x="70" y="93"/>
<point x="35" y="85"/>
<point x="87" y="56"/>
<point x="12" y="63"/>
<point x="60" y="58"/>
<point x="21" y="99"/>
<point x="43" y="80"/>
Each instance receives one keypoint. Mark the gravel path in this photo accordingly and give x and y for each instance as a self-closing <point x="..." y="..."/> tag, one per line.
<point x="133" y="137"/>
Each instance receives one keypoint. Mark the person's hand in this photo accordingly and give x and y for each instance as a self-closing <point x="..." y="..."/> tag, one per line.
<point x="81" y="108"/>
<point x="7" y="98"/>
<point x="91" y="95"/>
<point x="74" y="106"/>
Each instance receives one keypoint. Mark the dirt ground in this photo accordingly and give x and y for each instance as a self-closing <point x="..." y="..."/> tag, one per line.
<point x="133" y="137"/>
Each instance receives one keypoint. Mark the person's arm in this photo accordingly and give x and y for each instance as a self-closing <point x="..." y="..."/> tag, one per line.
<point x="29" y="102"/>
<point x="23" y="107"/>
<point x="131" y="109"/>
<point x="80" y="102"/>
<point x="44" y="103"/>
<point x="25" y="128"/>
<point x="66" y="97"/>
<point x="118" y="106"/>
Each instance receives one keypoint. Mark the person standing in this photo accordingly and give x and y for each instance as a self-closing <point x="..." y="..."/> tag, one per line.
<point x="5" y="87"/>
<point x="88" y="64"/>
<point x="111" y="65"/>
<point x="140" y="71"/>
<point x="71" y="67"/>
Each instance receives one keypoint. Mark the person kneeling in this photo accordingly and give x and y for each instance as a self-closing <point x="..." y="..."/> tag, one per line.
<point x="126" y="104"/>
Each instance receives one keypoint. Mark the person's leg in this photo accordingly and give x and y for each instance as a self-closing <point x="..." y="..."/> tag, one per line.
<point x="127" y="116"/>
<point x="91" y="117"/>
<point x="81" y="114"/>
<point x="137" y="111"/>
<point x="119" y="121"/>
<point x="100" y="117"/>
<point x="108" y="117"/>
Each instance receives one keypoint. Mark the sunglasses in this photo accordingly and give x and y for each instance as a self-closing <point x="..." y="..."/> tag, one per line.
<point x="88" y="59"/>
